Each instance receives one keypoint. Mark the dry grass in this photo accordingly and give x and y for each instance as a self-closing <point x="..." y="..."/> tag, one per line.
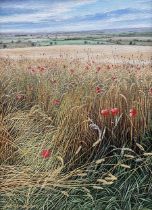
<point x="103" y="53"/>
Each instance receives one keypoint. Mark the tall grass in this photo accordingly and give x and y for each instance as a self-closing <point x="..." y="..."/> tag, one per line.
<point x="95" y="161"/>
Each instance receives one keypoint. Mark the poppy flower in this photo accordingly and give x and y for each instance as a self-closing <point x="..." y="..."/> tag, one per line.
<point x="98" y="68"/>
<point x="113" y="78"/>
<point x="33" y="70"/>
<point x="98" y="89"/>
<point x="87" y="68"/>
<point x="105" y="112"/>
<point x="46" y="153"/>
<point x="19" y="96"/>
<point x="133" y="112"/>
<point x="114" y="111"/>
<point x="42" y="69"/>
<point x="53" y="81"/>
<point x="150" y="91"/>
<point x="72" y="71"/>
<point x="56" y="102"/>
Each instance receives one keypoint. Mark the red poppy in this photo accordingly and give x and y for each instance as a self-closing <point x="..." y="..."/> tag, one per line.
<point x="98" y="68"/>
<point x="56" y="102"/>
<point x="150" y="91"/>
<point x="46" y="153"/>
<point x="113" y="78"/>
<point x="72" y="71"/>
<point x="42" y="69"/>
<point x="87" y="68"/>
<point x="33" y="70"/>
<point x="98" y="89"/>
<point x="19" y="96"/>
<point x="133" y="112"/>
<point x="54" y="81"/>
<point x="114" y="111"/>
<point x="105" y="112"/>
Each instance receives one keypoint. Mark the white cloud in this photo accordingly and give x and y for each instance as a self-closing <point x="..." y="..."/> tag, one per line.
<point x="130" y="17"/>
<point x="57" y="11"/>
<point x="79" y="27"/>
<point x="67" y="11"/>
<point x="34" y="17"/>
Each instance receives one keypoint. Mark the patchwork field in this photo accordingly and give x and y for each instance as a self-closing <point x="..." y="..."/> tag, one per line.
<point x="119" y="37"/>
<point x="76" y="128"/>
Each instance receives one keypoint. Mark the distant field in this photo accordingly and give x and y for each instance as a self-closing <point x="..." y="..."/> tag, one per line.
<point x="104" y="53"/>
<point x="79" y="38"/>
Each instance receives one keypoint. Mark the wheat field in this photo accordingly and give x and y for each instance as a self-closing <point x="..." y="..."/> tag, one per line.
<point x="76" y="134"/>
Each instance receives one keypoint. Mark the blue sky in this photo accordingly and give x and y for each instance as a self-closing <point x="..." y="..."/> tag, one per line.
<point x="73" y="15"/>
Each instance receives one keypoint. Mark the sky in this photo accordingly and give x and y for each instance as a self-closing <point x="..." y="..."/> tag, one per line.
<point x="73" y="15"/>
